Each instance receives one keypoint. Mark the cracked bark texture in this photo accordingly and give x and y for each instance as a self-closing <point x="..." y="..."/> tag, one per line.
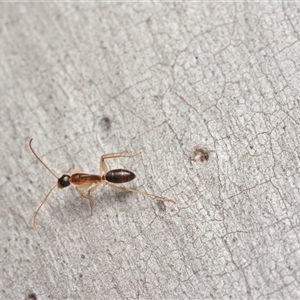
<point x="209" y="92"/>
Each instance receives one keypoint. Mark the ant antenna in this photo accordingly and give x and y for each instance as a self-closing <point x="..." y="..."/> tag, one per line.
<point x="40" y="159"/>
<point x="36" y="212"/>
<point x="45" y="199"/>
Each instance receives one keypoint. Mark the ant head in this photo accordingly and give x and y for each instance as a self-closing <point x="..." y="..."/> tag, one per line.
<point x="63" y="181"/>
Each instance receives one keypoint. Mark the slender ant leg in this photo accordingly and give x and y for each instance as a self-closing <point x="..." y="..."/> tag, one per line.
<point x="88" y="197"/>
<point x="139" y="192"/>
<point x="103" y="166"/>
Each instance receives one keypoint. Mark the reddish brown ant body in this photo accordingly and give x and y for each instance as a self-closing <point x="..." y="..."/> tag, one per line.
<point x="82" y="181"/>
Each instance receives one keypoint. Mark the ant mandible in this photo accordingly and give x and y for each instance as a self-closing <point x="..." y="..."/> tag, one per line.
<point x="82" y="181"/>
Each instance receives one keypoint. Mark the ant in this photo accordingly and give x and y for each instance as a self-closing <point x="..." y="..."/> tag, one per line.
<point x="82" y="181"/>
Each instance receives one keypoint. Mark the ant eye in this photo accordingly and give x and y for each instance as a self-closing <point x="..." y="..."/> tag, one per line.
<point x="63" y="181"/>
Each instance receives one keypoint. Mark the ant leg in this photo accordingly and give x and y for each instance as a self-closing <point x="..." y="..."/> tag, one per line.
<point x="90" y="190"/>
<point x="88" y="197"/>
<point x="72" y="171"/>
<point x="103" y="166"/>
<point x="139" y="192"/>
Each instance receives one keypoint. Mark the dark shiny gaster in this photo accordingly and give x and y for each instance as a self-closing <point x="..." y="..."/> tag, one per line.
<point x="119" y="176"/>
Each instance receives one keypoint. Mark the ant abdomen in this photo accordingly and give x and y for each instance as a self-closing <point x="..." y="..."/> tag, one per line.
<point x="119" y="176"/>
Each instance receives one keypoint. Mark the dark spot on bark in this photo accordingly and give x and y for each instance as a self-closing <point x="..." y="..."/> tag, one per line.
<point x="82" y="256"/>
<point x="199" y="154"/>
<point x="80" y="275"/>
<point x="161" y="206"/>
<point x="105" y="123"/>
<point x="31" y="296"/>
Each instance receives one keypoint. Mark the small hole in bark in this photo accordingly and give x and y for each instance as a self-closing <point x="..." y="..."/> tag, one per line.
<point x="199" y="154"/>
<point x="105" y="123"/>
<point x="31" y="296"/>
<point x="161" y="206"/>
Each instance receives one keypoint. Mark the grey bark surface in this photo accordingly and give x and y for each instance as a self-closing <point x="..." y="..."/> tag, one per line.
<point x="210" y="94"/>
